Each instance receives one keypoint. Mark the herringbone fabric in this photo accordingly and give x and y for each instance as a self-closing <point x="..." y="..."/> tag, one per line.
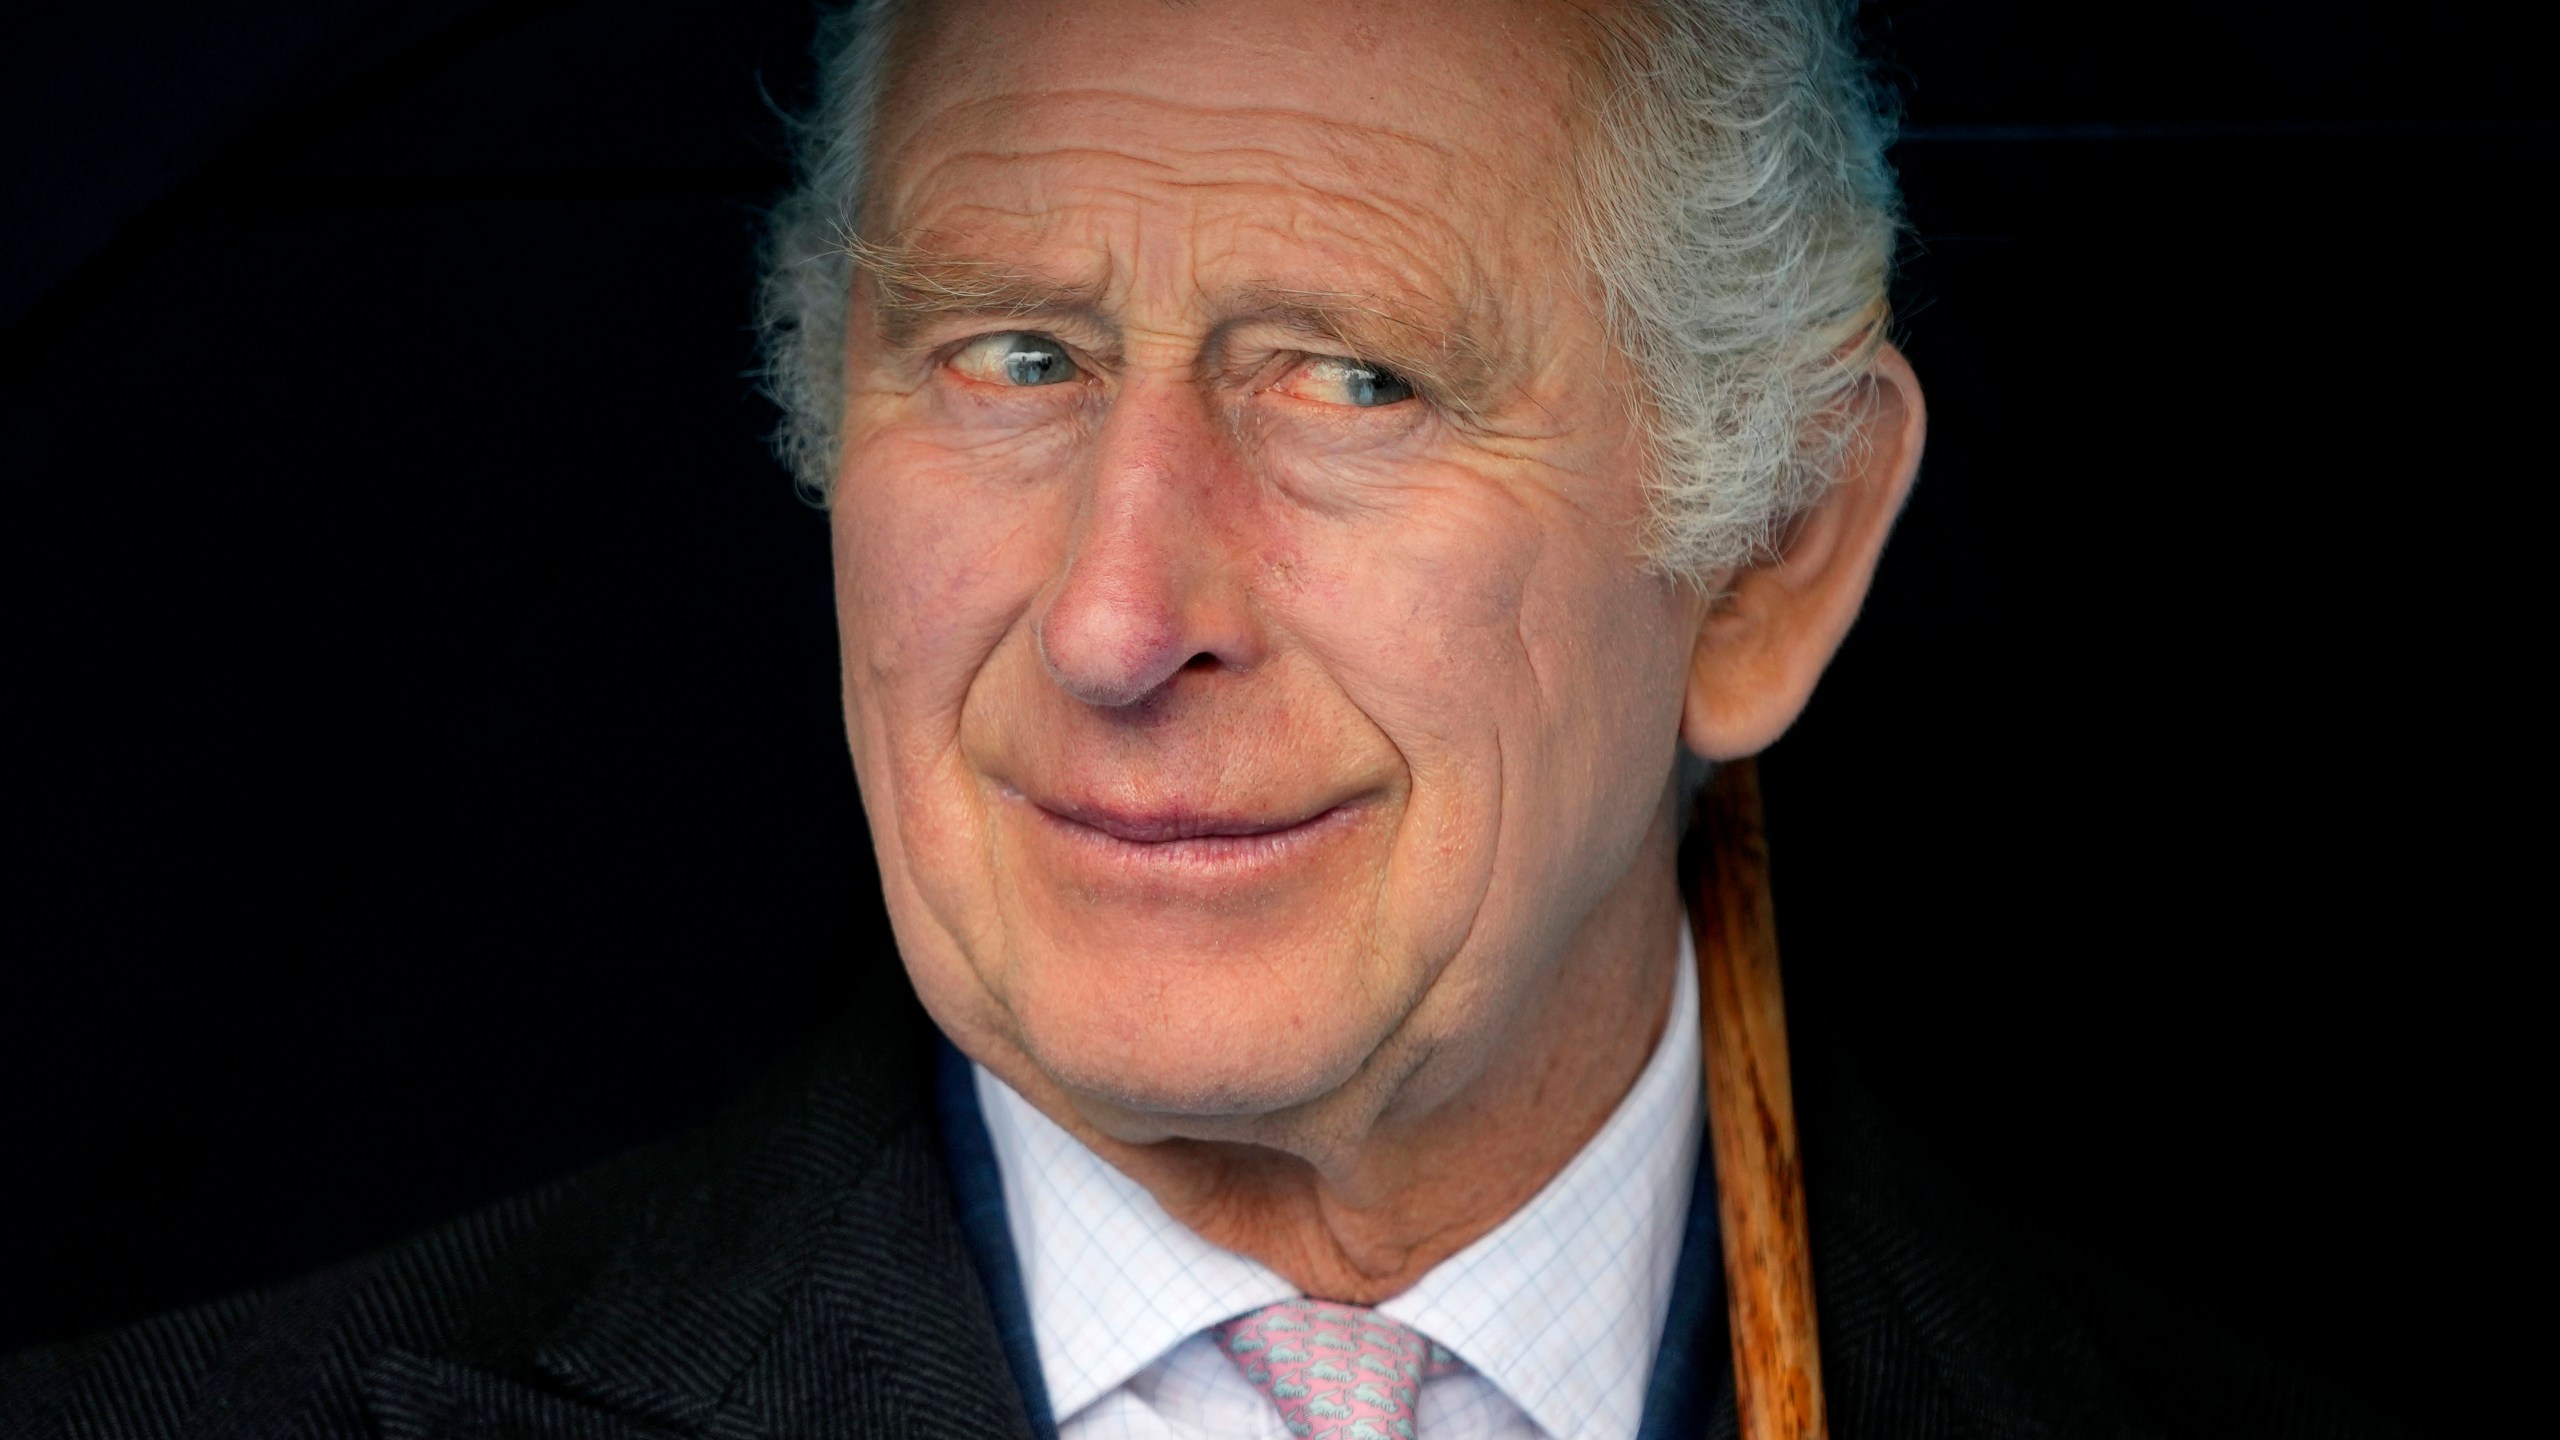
<point x="792" y="1270"/>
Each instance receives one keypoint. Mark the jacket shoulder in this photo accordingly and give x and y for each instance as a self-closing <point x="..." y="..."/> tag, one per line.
<point x="642" y="1291"/>
<point x="284" y="1360"/>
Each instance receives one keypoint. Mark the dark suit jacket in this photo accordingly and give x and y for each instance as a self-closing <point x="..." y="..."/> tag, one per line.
<point x="798" y="1269"/>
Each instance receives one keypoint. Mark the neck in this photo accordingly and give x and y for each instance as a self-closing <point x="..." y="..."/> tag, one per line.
<point x="1356" y="1195"/>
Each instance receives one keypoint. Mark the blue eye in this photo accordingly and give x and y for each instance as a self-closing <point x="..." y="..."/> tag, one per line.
<point x="1015" y="358"/>
<point x="1373" y="385"/>
<point x="1335" y="380"/>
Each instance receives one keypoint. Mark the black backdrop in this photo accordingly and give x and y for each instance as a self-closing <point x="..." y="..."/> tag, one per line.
<point x="424" y="772"/>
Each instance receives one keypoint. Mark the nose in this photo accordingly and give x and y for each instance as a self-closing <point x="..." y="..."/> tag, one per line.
<point x="1153" y="584"/>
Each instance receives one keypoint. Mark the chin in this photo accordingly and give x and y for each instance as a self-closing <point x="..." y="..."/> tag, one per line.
<point x="1231" y="1032"/>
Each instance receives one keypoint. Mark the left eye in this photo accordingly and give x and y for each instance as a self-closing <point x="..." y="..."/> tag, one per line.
<point x="1334" y="380"/>
<point x="1015" y="358"/>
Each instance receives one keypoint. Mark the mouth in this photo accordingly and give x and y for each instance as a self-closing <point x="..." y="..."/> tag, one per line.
<point x="1180" y="838"/>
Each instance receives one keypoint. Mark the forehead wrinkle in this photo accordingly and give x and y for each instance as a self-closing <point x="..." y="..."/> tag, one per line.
<point x="1377" y="269"/>
<point x="1033" y="188"/>
<point x="1412" y="193"/>
<point x="1159" y="122"/>
<point x="1179" y="145"/>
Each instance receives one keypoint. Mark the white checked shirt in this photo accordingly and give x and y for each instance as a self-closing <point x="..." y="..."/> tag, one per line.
<point x="1557" y="1313"/>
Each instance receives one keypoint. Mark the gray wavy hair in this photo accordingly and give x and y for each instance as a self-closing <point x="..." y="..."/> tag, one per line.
<point x="1735" y="205"/>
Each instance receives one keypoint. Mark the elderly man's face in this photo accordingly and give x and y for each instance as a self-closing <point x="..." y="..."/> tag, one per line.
<point x="1252" y="673"/>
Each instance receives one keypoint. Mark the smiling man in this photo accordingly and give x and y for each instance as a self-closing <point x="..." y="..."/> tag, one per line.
<point x="1273" y="606"/>
<point x="1311" y="488"/>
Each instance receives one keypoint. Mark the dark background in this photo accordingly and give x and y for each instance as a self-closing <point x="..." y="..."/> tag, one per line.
<point x="424" y="777"/>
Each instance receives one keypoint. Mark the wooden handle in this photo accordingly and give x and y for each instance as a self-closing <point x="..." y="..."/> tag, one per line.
<point x="1751" y="1117"/>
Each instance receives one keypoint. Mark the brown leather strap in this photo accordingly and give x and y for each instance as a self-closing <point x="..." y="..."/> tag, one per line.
<point x="1751" y="1116"/>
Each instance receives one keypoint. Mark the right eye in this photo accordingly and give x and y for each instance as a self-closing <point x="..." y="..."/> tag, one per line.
<point x="1015" y="358"/>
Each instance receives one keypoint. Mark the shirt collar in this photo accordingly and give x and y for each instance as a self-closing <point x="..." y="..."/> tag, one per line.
<point x="1561" y="1306"/>
<point x="1110" y="1279"/>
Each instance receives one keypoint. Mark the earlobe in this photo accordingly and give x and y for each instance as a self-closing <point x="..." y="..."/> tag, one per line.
<point x="1765" y="641"/>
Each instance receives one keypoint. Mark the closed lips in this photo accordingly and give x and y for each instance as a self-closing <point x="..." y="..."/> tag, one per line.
<point x="1168" y="826"/>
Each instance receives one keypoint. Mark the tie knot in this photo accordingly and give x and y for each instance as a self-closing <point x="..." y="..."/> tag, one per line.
<point x="1337" y="1372"/>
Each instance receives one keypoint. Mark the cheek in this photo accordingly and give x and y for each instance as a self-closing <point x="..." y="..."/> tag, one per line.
<point x="1462" y="610"/>
<point x="939" y="549"/>
<point x="1513" y="651"/>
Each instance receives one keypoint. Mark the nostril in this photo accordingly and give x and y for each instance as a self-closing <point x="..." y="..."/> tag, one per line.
<point x="1202" y="661"/>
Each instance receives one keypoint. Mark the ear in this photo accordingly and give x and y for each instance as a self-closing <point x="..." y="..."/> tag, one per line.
<point x="1764" y="644"/>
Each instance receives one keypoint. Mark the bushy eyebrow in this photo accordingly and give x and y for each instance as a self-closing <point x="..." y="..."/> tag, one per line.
<point x="1399" y="332"/>
<point x="914" y="285"/>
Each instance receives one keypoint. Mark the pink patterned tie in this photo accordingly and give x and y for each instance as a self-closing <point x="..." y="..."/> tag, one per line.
<point x="1337" y="1372"/>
